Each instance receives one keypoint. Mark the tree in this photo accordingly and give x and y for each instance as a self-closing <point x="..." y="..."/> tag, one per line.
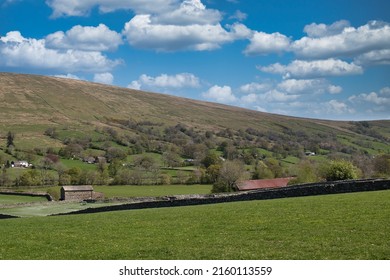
<point x="4" y="178"/>
<point x="229" y="174"/>
<point x="115" y="153"/>
<point x="340" y="170"/>
<point x="10" y="139"/>
<point x="171" y="159"/>
<point x="74" y="174"/>
<point x="382" y="165"/>
<point x="212" y="173"/>
<point x="211" y="159"/>
<point x="306" y="173"/>
<point x="262" y="172"/>
<point x="71" y="150"/>
<point x="30" y="178"/>
<point x="145" y="162"/>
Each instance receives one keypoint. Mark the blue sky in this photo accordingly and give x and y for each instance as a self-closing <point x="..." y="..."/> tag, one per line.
<point x="318" y="59"/>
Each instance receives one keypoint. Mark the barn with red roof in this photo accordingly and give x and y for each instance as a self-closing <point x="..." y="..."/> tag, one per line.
<point x="262" y="184"/>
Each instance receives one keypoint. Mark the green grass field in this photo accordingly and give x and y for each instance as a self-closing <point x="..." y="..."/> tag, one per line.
<point x="14" y="199"/>
<point x="109" y="192"/>
<point x="344" y="226"/>
<point x="152" y="190"/>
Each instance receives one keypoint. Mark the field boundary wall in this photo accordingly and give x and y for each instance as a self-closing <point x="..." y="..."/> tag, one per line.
<point x="325" y="188"/>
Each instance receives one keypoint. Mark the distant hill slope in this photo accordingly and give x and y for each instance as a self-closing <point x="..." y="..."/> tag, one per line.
<point x="29" y="104"/>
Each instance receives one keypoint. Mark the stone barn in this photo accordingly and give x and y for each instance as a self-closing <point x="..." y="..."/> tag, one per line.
<point x="77" y="192"/>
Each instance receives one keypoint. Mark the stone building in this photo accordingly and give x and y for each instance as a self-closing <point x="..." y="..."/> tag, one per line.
<point x="77" y="193"/>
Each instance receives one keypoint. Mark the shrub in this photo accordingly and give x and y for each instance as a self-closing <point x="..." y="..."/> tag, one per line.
<point x="306" y="173"/>
<point x="54" y="193"/>
<point x="229" y="173"/>
<point x="341" y="170"/>
<point x="382" y="165"/>
<point x="165" y="179"/>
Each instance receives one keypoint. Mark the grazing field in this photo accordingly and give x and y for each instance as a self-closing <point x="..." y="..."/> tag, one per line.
<point x="152" y="190"/>
<point x="47" y="209"/>
<point x="344" y="226"/>
<point x="109" y="192"/>
<point x="141" y="191"/>
<point x="6" y="199"/>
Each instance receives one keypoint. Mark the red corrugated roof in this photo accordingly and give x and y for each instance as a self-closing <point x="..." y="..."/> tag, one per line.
<point x="262" y="184"/>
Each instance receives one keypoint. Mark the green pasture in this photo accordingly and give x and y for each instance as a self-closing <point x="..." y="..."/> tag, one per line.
<point x="351" y="226"/>
<point x="71" y="163"/>
<point x="109" y="192"/>
<point x="47" y="209"/>
<point x="140" y="191"/>
<point x="6" y="199"/>
<point x="152" y="190"/>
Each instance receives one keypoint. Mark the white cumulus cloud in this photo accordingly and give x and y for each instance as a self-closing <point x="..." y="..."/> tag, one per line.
<point x="315" y="30"/>
<point x="68" y="76"/>
<point x="104" y="78"/>
<point x="189" y="12"/>
<point x="381" y="57"/>
<point x="381" y="98"/>
<point x="313" y="69"/>
<point x="337" y="107"/>
<point x="84" y="7"/>
<point x="88" y="38"/>
<point x="220" y="94"/>
<point x="349" y="42"/>
<point x="309" y="86"/>
<point x="255" y="87"/>
<point x="264" y="43"/>
<point x="142" y="32"/>
<point x="164" y="81"/>
<point x="17" y="51"/>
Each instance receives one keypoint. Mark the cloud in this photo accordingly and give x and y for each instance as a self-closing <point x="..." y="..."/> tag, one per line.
<point x="322" y="30"/>
<point x="313" y="69"/>
<point x="255" y="87"/>
<point x="220" y="94"/>
<point x="381" y="57"/>
<point x="311" y="86"/>
<point x="277" y="96"/>
<point x="191" y="26"/>
<point x="104" y="78"/>
<point x="341" y="40"/>
<point x="87" y="38"/>
<point x="336" y="107"/>
<point x="182" y="80"/>
<point x="334" y="89"/>
<point x="263" y="43"/>
<point x="268" y="98"/>
<point x="367" y="44"/>
<point x="238" y="15"/>
<point x="69" y="76"/>
<point x="142" y="32"/>
<point x="382" y="98"/>
<point x="189" y="12"/>
<point x="83" y="7"/>
<point x="17" y="51"/>
<point x="134" y="85"/>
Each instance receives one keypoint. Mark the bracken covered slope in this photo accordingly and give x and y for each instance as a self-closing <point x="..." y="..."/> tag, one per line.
<point x="29" y="104"/>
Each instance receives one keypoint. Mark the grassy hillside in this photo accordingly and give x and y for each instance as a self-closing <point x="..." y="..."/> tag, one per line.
<point x="344" y="226"/>
<point x="55" y="120"/>
<point x="29" y="104"/>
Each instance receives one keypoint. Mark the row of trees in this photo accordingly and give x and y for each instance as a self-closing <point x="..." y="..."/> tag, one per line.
<point x="239" y="148"/>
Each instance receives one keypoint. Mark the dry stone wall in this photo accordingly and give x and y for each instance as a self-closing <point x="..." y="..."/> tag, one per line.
<point x="291" y="191"/>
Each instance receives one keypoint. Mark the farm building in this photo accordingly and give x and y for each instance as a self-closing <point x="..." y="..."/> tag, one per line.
<point x="77" y="192"/>
<point x="21" y="163"/>
<point x="262" y="184"/>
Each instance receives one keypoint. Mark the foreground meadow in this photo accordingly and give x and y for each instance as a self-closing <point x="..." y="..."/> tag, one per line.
<point x="344" y="226"/>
